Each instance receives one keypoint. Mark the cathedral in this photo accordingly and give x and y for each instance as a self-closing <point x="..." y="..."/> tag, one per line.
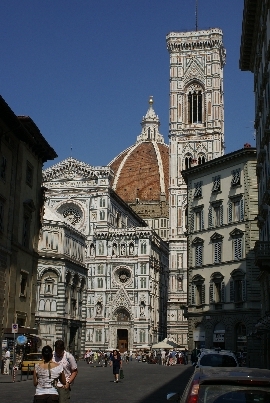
<point x="113" y="250"/>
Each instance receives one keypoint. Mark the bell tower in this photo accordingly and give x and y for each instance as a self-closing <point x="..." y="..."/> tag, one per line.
<point x="196" y="133"/>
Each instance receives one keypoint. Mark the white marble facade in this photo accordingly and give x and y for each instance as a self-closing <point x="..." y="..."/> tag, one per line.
<point x="196" y="133"/>
<point x="123" y="302"/>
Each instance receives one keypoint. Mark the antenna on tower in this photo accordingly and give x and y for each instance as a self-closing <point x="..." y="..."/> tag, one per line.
<point x="196" y="15"/>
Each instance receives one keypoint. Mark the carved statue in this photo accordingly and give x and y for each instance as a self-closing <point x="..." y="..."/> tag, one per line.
<point x="98" y="308"/>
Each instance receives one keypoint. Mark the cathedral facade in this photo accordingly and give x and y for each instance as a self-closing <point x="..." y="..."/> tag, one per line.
<point x="196" y="134"/>
<point x="122" y="300"/>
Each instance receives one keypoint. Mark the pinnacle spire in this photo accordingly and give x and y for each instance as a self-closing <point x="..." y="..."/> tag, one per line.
<point x="150" y="125"/>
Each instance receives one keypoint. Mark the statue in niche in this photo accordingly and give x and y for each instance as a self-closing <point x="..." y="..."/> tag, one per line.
<point x="142" y="309"/>
<point x="114" y="249"/>
<point x="123" y="249"/>
<point x="131" y="249"/>
<point x="98" y="308"/>
<point x="92" y="250"/>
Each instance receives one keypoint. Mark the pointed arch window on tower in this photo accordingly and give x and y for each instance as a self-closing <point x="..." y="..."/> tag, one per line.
<point x="188" y="160"/>
<point x="195" y="106"/>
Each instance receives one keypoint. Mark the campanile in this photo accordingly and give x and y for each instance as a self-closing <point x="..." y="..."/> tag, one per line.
<point x="196" y="133"/>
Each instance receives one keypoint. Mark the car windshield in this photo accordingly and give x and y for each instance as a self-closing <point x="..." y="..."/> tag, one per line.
<point x="218" y="360"/>
<point x="33" y="357"/>
<point x="233" y="394"/>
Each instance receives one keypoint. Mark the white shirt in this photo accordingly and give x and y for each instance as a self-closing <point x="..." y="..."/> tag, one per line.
<point x="7" y="355"/>
<point x="68" y="363"/>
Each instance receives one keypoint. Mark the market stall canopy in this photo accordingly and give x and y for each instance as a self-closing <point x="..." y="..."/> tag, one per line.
<point x="165" y="344"/>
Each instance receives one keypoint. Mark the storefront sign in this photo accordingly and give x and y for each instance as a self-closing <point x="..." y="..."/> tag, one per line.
<point x="218" y="337"/>
<point x="198" y="335"/>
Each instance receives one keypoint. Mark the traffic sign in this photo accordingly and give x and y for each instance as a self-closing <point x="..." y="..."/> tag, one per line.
<point x="14" y="328"/>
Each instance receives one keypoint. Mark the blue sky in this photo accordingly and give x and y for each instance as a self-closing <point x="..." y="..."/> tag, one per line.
<point x="83" y="70"/>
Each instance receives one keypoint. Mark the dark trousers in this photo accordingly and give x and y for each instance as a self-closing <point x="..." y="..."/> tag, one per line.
<point x="46" y="399"/>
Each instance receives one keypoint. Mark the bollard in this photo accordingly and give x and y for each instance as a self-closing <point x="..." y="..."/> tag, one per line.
<point x="13" y="374"/>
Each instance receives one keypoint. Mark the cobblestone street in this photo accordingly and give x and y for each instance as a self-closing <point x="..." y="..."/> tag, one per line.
<point x="143" y="383"/>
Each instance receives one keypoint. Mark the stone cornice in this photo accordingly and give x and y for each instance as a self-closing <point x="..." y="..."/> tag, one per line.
<point x="71" y="168"/>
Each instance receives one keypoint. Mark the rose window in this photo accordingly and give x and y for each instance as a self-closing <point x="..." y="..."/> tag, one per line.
<point x="124" y="276"/>
<point x="73" y="215"/>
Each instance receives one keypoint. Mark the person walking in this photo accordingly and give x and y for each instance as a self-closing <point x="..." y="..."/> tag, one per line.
<point x="7" y="362"/>
<point x="61" y="356"/>
<point x="45" y="377"/>
<point x="116" y="363"/>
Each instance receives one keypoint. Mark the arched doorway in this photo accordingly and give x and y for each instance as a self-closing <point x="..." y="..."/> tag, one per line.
<point x="122" y="315"/>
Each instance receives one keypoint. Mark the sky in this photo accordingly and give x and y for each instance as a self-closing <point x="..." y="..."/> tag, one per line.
<point x="83" y="70"/>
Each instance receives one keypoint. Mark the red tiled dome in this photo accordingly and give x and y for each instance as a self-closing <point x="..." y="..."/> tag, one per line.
<point x="142" y="171"/>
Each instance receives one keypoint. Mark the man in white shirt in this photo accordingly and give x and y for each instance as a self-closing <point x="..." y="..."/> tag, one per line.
<point x="7" y="362"/>
<point x="61" y="356"/>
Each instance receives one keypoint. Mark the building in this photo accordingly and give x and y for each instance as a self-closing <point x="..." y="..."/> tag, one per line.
<point x="254" y="57"/>
<point x="196" y="135"/>
<point x="141" y="175"/>
<point x="22" y="154"/>
<point x="61" y="283"/>
<point x="126" y="261"/>
<point x="223" y="280"/>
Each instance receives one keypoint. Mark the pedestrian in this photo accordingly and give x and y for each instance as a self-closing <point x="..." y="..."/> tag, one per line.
<point x="116" y="363"/>
<point x="7" y="362"/>
<point x="45" y="377"/>
<point x="69" y="364"/>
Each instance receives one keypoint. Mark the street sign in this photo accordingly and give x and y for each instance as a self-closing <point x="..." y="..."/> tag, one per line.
<point x="14" y="328"/>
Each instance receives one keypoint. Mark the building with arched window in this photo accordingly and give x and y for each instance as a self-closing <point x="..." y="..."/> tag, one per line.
<point x="223" y="279"/>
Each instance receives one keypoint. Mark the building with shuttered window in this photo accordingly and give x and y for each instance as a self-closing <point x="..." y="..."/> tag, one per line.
<point x="223" y="285"/>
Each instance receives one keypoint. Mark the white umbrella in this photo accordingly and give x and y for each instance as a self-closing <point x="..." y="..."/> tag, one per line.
<point x="165" y="344"/>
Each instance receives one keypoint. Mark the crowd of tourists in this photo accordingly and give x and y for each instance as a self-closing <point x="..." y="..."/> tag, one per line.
<point x="162" y="357"/>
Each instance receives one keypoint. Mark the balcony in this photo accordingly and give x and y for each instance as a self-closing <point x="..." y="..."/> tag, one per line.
<point x="262" y="255"/>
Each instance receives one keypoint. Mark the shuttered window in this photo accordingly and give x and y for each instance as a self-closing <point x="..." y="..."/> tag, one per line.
<point x="216" y="184"/>
<point x="198" y="189"/>
<point x="236" y="178"/>
<point x="217" y="252"/>
<point x="198" y="255"/>
<point x="237" y="248"/>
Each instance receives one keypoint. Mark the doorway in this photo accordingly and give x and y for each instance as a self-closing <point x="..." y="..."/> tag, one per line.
<point x="122" y="340"/>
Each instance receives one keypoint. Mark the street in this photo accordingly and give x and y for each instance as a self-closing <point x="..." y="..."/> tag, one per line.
<point x="143" y="383"/>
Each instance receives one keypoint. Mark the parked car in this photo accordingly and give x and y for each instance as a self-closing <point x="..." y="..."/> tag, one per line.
<point x="29" y="361"/>
<point x="216" y="358"/>
<point x="226" y="385"/>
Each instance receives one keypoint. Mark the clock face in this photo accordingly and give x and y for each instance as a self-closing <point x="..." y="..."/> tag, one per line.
<point x="73" y="215"/>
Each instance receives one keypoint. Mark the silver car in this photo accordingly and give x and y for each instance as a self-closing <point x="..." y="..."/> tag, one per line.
<point x="216" y="358"/>
<point x="226" y="385"/>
